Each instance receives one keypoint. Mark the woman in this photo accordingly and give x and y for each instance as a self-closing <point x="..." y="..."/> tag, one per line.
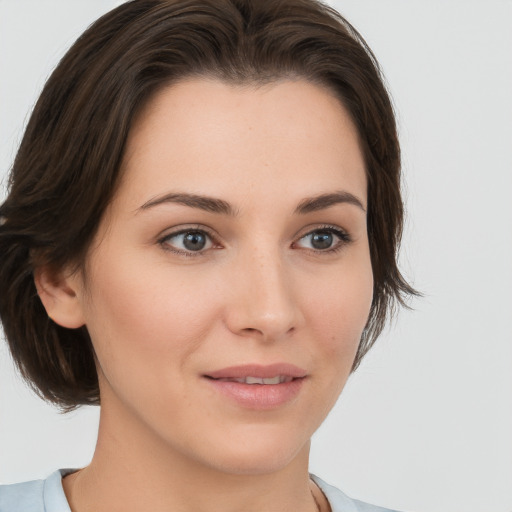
<point x="201" y="234"/>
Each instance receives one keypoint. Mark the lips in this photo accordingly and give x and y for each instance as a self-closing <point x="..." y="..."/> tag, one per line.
<point x="278" y="379"/>
<point x="258" y="387"/>
<point x="285" y="370"/>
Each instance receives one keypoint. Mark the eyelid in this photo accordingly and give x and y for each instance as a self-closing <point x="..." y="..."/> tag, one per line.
<point x="166" y="235"/>
<point x="311" y="228"/>
<point x="342" y="234"/>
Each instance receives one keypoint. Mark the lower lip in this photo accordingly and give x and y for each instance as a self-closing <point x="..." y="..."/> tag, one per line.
<point x="259" y="396"/>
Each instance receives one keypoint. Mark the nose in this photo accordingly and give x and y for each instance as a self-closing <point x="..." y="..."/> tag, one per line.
<point x="264" y="302"/>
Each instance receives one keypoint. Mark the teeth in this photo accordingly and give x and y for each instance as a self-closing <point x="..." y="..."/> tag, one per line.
<point x="278" y="379"/>
<point x="257" y="380"/>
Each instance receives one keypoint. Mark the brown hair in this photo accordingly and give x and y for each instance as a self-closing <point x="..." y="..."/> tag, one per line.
<point x="68" y="165"/>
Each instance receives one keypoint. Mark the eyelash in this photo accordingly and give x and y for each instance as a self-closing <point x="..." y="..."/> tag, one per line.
<point x="163" y="241"/>
<point x="343" y="236"/>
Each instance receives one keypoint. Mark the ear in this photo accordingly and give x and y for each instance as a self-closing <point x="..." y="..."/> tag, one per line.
<point x="60" y="294"/>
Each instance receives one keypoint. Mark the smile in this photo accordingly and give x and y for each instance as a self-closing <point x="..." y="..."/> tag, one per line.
<point x="258" y="387"/>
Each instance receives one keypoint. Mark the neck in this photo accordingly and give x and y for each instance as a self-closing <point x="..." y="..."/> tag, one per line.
<point x="133" y="471"/>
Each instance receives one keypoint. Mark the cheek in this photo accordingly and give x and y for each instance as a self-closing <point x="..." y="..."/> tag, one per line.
<point x="153" y="315"/>
<point x="339" y="311"/>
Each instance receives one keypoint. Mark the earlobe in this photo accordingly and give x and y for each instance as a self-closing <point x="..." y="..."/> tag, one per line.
<point x="59" y="294"/>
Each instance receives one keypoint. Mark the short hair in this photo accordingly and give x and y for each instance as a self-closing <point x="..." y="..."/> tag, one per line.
<point x="68" y="164"/>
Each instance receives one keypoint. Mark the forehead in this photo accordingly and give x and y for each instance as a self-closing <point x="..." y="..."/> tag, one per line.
<point x="214" y="138"/>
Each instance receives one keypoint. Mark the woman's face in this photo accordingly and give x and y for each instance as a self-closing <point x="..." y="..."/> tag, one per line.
<point x="230" y="280"/>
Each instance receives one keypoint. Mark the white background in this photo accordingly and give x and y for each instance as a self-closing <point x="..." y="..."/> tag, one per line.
<point x="426" y="422"/>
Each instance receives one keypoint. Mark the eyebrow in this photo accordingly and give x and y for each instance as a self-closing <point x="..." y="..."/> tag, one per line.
<point x="214" y="205"/>
<point x="209" y="204"/>
<point x="313" y="204"/>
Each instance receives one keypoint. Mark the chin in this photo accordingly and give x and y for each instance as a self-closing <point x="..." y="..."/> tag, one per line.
<point x="258" y="452"/>
<point x="255" y="463"/>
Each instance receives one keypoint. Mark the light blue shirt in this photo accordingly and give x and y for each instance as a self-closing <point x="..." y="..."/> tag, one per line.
<point x="48" y="496"/>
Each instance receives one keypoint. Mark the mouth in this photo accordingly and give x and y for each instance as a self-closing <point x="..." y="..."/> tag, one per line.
<point x="277" y="373"/>
<point x="258" y="387"/>
<point x="278" y="379"/>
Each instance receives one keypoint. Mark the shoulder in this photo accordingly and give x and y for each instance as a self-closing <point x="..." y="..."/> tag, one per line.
<point x="340" y="502"/>
<point x="48" y="496"/>
<point x="24" y="497"/>
<point x="35" y="496"/>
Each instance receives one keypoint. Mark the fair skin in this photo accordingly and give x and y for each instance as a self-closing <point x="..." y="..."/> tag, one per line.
<point x="273" y="268"/>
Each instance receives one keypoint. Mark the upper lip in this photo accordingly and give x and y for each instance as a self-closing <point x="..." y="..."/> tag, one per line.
<point x="258" y="370"/>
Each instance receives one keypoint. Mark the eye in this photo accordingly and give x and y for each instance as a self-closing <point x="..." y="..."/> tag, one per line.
<point x="326" y="239"/>
<point x="187" y="242"/>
